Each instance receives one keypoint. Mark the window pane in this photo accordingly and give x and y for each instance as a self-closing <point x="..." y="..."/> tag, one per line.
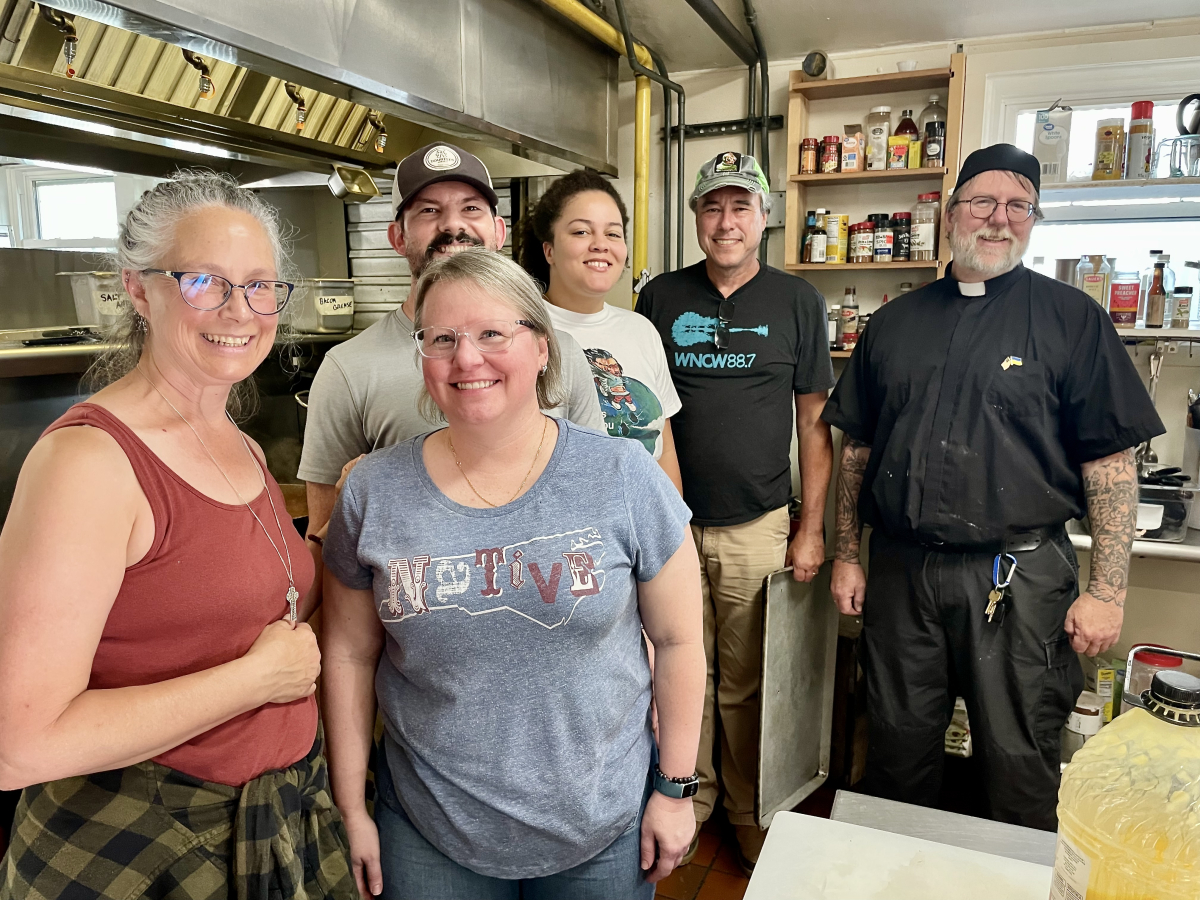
<point x="1129" y="242"/>
<point x="76" y="210"/>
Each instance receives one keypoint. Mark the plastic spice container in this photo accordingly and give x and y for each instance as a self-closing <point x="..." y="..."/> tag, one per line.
<point x="809" y="150"/>
<point x="884" y="239"/>
<point x="879" y="129"/>
<point x="831" y="154"/>
<point x="862" y="242"/>
<point x="923" y="242"/>
<point x="1147" y="664"/>
<point x="1109" y="164"/>
<point x="1123" y="295"/>
<point x="1181" y="307"/>
<point x="901" y="236"/>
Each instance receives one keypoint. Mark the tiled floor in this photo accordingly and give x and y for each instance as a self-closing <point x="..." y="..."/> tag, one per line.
<point x="714" y="873"/>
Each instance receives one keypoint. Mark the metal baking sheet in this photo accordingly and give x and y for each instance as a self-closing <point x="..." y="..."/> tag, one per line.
<point x="800" y="624"/>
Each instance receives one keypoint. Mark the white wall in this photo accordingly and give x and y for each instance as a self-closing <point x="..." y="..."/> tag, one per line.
<point x="1164" y="600"/>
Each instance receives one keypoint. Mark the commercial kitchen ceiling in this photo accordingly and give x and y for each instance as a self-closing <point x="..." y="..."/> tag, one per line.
<point x="793" y="27"/>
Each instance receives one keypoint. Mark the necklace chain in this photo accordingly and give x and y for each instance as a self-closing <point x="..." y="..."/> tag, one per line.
<point x="545" y="424"/>
<point x="292" y="594"/>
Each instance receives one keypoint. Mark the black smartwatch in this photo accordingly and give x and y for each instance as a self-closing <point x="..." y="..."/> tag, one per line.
<point x="676" y="788"/>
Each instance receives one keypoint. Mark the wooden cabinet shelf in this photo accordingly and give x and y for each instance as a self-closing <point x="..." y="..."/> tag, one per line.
<point x="874" y="89"/>
<point x="892" y="83"/>
<point x="833" y="267"/>
<point x="879" y="176"/>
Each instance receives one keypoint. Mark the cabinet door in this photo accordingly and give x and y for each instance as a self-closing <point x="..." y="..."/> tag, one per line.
<point x="800" y="623"/>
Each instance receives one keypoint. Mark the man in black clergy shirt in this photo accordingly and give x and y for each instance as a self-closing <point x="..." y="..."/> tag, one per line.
<point x="979" y="414"/>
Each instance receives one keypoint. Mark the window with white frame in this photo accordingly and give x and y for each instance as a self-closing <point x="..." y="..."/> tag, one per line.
<point x="73" y="209"/>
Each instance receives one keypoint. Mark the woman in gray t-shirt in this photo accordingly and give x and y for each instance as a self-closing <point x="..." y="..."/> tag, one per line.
<point x="492" y="580"/>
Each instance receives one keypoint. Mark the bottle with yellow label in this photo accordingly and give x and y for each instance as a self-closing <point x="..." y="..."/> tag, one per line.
<point x="1129" y="804"/>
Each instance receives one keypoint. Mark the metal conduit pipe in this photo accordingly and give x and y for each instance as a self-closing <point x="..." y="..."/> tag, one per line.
<point x="764" y="107"/>
<point x="640" y="69"/>
<point x="600" y="29"/>
<point x="681" y="103"/>
<point x="725" y="30"/>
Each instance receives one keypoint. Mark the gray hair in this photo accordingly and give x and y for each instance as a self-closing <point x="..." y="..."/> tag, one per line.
<point x="503" y="279"/>
<point x="145" y="239"/>
<point x="957" y="197"/>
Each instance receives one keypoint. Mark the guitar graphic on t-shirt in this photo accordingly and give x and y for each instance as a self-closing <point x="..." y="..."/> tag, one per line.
<point x="693" y="328"/>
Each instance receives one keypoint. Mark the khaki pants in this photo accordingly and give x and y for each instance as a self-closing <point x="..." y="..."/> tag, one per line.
<point x="734" y="560"/>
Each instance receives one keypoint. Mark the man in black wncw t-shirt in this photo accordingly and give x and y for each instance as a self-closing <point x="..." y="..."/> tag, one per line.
<point x="747" y="346"/>
<point x="980" y="414"/>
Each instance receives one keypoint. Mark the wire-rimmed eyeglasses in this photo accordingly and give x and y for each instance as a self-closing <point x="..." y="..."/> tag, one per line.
<point x="1016" y="210"/>
<point x="206" y="292"/>
<point x="441" y="341"/>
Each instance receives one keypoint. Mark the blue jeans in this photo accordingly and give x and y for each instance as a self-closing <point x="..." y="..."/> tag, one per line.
<point x="413" y="869"/>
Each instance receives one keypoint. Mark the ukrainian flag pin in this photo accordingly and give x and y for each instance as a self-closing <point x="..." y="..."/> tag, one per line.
<point x="1011" y="361"/>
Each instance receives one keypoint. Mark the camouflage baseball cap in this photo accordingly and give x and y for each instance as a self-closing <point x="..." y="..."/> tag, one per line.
<point x="729" y="169"/>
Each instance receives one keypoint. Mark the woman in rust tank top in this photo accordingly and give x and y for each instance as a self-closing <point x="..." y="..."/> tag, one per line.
<point x="158" y="675"/>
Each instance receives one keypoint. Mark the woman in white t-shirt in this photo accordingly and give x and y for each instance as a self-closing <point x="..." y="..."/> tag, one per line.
<point x="575" y="246"/>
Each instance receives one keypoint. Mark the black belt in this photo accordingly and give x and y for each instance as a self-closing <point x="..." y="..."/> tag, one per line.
<point x="1017" y="542"/>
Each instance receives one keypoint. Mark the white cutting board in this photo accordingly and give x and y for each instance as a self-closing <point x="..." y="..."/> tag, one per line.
<point x="807" y="858"/>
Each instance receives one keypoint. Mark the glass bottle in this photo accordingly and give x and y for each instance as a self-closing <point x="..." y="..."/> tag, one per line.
<point x="1083" y="270"/>
<point x="1156" y="298"/>
<point x="907" y="125"/>
<point x="810" y="221"/>
<point x="1148" y="276"/>
<point x="934" y="112"/>
<point x="879" y="129"/>
<point x="923" y="237"/>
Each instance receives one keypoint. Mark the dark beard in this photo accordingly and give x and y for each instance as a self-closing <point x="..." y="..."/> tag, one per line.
<point x="443" y="239"/>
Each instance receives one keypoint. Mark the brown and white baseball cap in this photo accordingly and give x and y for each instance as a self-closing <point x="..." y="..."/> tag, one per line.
<point x="439" y="162"/>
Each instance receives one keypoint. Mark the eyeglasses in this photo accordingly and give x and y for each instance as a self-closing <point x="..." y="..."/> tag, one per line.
<point x="206" y="292"/>
<point x="724" y="317"/>
<point x="983" y="207"/>
<point x="441" y="342"/>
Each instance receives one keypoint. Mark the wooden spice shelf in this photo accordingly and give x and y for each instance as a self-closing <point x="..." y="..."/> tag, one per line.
<point x="839" y="267"/>
<point x="922" y="174"/>
<point x="894" y="82"/>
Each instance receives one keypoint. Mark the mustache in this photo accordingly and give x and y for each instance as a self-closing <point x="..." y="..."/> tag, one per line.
<point x="445" y="238"/>
<point x="995" y="234"/>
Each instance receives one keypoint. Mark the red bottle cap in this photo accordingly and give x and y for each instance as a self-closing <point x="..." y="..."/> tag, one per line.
<point x="933" y="195"/>
<point x="1143" y="109"/>
<point x="902" y="215"/>
<point x="832" y="139"/>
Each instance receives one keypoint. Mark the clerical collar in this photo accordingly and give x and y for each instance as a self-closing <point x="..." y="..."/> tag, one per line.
<point x="983" y="288"/>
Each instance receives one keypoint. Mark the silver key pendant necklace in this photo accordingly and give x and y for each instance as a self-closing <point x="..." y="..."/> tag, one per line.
<point x="293" y="595"/>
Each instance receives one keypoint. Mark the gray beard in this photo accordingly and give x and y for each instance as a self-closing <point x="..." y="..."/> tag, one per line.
<point x="967" y="253"/>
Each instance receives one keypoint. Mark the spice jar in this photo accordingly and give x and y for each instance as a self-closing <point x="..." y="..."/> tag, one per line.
<point x="901" y="234"/>
<point x="862" y="242"/>
<point x="923" y="242"/>
<point x="831" y="154"/>
<point x="1109" y="164"/>
<point x="935" y="145"/>
<point x="884" y="238"/>
<point x="808" y="156"/>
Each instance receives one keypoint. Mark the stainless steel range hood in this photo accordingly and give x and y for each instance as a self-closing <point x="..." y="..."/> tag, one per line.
<point x="504" y="78"/>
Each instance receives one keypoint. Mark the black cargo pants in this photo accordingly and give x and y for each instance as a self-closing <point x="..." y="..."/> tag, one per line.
<point x="926" y="637"/>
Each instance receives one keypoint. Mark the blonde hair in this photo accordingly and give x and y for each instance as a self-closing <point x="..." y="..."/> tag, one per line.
<point x="499" y="277"/>
<point x="145" y="238"/>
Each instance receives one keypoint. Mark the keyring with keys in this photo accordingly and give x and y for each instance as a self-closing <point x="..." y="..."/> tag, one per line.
<point x="999" y="587"/>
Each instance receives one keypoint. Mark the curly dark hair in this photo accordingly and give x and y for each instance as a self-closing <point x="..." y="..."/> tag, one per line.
<point x="538" y="226"/>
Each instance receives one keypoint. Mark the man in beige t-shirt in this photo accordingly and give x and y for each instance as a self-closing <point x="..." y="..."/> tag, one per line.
<point x="365" y="394"/>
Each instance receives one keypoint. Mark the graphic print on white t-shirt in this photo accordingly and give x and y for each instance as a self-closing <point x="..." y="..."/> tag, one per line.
<point x="543" y="580"/>
<point x="630" y="408"/>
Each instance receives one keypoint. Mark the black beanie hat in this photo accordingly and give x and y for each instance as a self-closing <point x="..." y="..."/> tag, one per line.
<point x="1004" y="158"/>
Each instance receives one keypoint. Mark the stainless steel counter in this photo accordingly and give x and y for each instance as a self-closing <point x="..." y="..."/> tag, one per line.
<point x="17" y="360"/>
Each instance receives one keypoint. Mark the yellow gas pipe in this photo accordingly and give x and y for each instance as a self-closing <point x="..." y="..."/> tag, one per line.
<point x="606" y="33"/>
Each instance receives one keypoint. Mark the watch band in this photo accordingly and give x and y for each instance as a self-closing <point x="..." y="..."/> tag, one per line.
<point x="677" y="788"/>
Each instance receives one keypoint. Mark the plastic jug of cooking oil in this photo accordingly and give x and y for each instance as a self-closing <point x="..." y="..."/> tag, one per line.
<point x="1129" y="804"/>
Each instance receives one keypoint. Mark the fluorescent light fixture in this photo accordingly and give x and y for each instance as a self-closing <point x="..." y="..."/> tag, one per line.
<point x="1126" y="201"/>
<point x="1055" y="204"/>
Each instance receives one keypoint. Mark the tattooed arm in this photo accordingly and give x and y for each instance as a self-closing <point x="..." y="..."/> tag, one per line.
<point x="1110" y="485"/>
<point x="849" y="584"/>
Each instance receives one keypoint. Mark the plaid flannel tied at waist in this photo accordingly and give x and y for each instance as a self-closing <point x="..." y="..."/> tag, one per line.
<point x="150" y="831"/>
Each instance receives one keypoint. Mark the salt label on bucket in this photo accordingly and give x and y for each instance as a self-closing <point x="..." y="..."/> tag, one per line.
<point x="1072" y="868"/>
<point x="110" y="303"/>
